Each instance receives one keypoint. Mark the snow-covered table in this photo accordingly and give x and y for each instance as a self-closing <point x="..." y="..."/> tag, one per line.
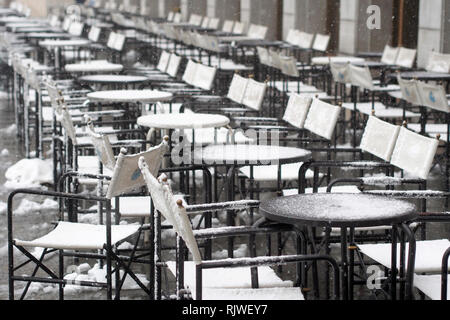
<point x="93" y="66"/>
<point x="343" y="211"/>
<point x="183" y="121"/>
<point x="129" y="96"/>
<point x="56" y="45"/>
<point x="113" y="80"/>
<point x="326" y="60"/>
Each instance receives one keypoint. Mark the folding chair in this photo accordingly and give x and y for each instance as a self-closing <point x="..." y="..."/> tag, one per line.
<point x="438" y="62"/>
<point x="243" y="277"/>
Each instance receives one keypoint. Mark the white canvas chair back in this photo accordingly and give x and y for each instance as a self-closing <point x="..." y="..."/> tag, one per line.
<point x="170" y="16"/>
<point x="76" y="28"/>
<point x="414" y="153"/>
<point x="66" y="23"/>
<point x="289" y="66"/>
<point x="205" y="22"/>
<point x="174" y="65"/>
<point x="204" y="77"/>
<point x="212" y="43"/>
<point x="360" y="76"/>
<point x="305" y="40"/>
<point x="297" y="110"/>
<point x="321" y="42"/>
<point x="228" y="26"/>
<point x="177" y="17"/>
<point x="237" y="88"/>
<point x="239" y="27"/>
<point x="163" y="61"/>
<point x="406" y="57"/>
<point x="410" y="91"/>
<point x="433" y="96"/>
<point x="379" y="138"/>
<point x="196" y="20"/>
<point x="63" y="116"/>
<point x="254" y="94"/>
<point x="340" y="72"/>
<point x="252" y="30"/>
<point x="101" y="145"/>
<point x="94" y="33"/>
<point x="119" y="42"/>
<point x="127" y="176"/>
<point x="264" y="56"/>
<point x="275" y="59"/>
<point x="214" y="23"/>
<point x="189" y="72"/>
<point x="111" y="40"/>
<point x="292" y="36"/>
<point x="439" y="62"/>
<point x="389" y="55"/>
<point x="166" y="204"/>
<point x="322" y="118"/>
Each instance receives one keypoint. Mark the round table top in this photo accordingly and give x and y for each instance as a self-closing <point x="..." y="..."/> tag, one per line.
<point x="243" y="154"/>
<point x="371" y="64"/>
<point x="183" y="121"/>
<point x="338" y="210"/>
<point x="94" y="66"/>
<point x="144" y="96"/>
<point x="370" y="54"/>
<point x="423" y="75"/>
<point x="326" y="60"/>
<point x="112" y="78"/>
<point x="64" y="43"/>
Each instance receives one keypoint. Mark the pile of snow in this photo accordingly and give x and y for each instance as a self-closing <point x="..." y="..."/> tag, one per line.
<point x="4" y="95"/>
<point x="240" y="252"/>
<point x="4" y="153"/>
<point x="3" y="207"/>
<point x="29" y="173"/>
<point x="27" y="206"/>
<point x="12" y="129"/>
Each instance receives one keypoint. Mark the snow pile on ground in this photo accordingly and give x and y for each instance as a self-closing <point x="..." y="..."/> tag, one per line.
<point x="3" y="207"/>
<point x="4" y="153"/>
<point x="29" y="173"/>
<point x="4" y="95"/>
<point x="27" y="206"/>
<point x="240" y="252"/>
<point x="12" y="129"/>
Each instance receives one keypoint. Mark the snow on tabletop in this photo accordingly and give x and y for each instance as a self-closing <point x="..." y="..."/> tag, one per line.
<point x="335" y="207"/>
<point x="183" y="121"/>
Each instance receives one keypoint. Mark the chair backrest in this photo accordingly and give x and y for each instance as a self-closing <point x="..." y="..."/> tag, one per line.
<point x="322" y="118"/>
<point x="340" y="72"/>
<point x="275" y="59"/>
<point x="204" y="77"/>
<point x="177" y="17"/>
<point x="379" y="138"/>
<point x="214" y="23"/>
<point x="291" y="37"/>
<point x="254" y="94"/>
<point x="66" y="23"/>
<point x="76" y="28"/>
<point x="94" y="33"/>
<point x="163" y="62"/>
<point x="305" y="40"/>
<point x="101" y="145"/>
<point x="289" y="66"/>
<point x="173" y="211"/>
<point x="433" y="96"/>
<point x="297" y="110"/>
<point x="239" y="27"/>
<point x="127" y="176"/>
<point x="321" y="42"/>
<point x="212" y="43"/>
<point x="63" y="116"/>
<point x="406" y="57"/>
<point x="264" y="56"/>
<point x="119" y="42"/>
<point x="189" y="72"/>
<point x="170" y="16"/>
<point x="195" y="20"/>
<point x="414" y="153"/>
<point x="439" y="62"/>
<point x="205" y="22"/>
<point x="237" y="88"/>
<point x="410" y="91"/>
<point x="111" y="40"/>
<point x="360" y="77"/>
<point x="174" y="65"/>
<point x="389" y="55"/>
<point x="228" y="26"/>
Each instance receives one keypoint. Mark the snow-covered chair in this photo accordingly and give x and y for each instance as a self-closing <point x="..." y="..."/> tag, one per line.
<point x="406" y="58"/>
<point x="438" y="62"/>
<point x="221" y="279"/>
<point x="390" y="54"/>
<point x="321" y="42"/>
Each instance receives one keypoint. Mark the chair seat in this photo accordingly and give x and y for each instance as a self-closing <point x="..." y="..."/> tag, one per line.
<point x="430" y="285"/>
<point x="293" y="293"/>
<point x="381" y="111"/>
<point x="79" y="236"/>
<point x="289" y="172"/>
<point x="206" y="136"/>
<point x="236" y="280"/>
<point x="428" y="254"/>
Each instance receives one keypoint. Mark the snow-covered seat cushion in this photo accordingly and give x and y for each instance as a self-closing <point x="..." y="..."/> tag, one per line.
<point x="235" y="279"/>
<point x="289" y="172"/>
<point x="428" y="254"/>
<point x="67" y="236"/>
<point x="430" y="285"/>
